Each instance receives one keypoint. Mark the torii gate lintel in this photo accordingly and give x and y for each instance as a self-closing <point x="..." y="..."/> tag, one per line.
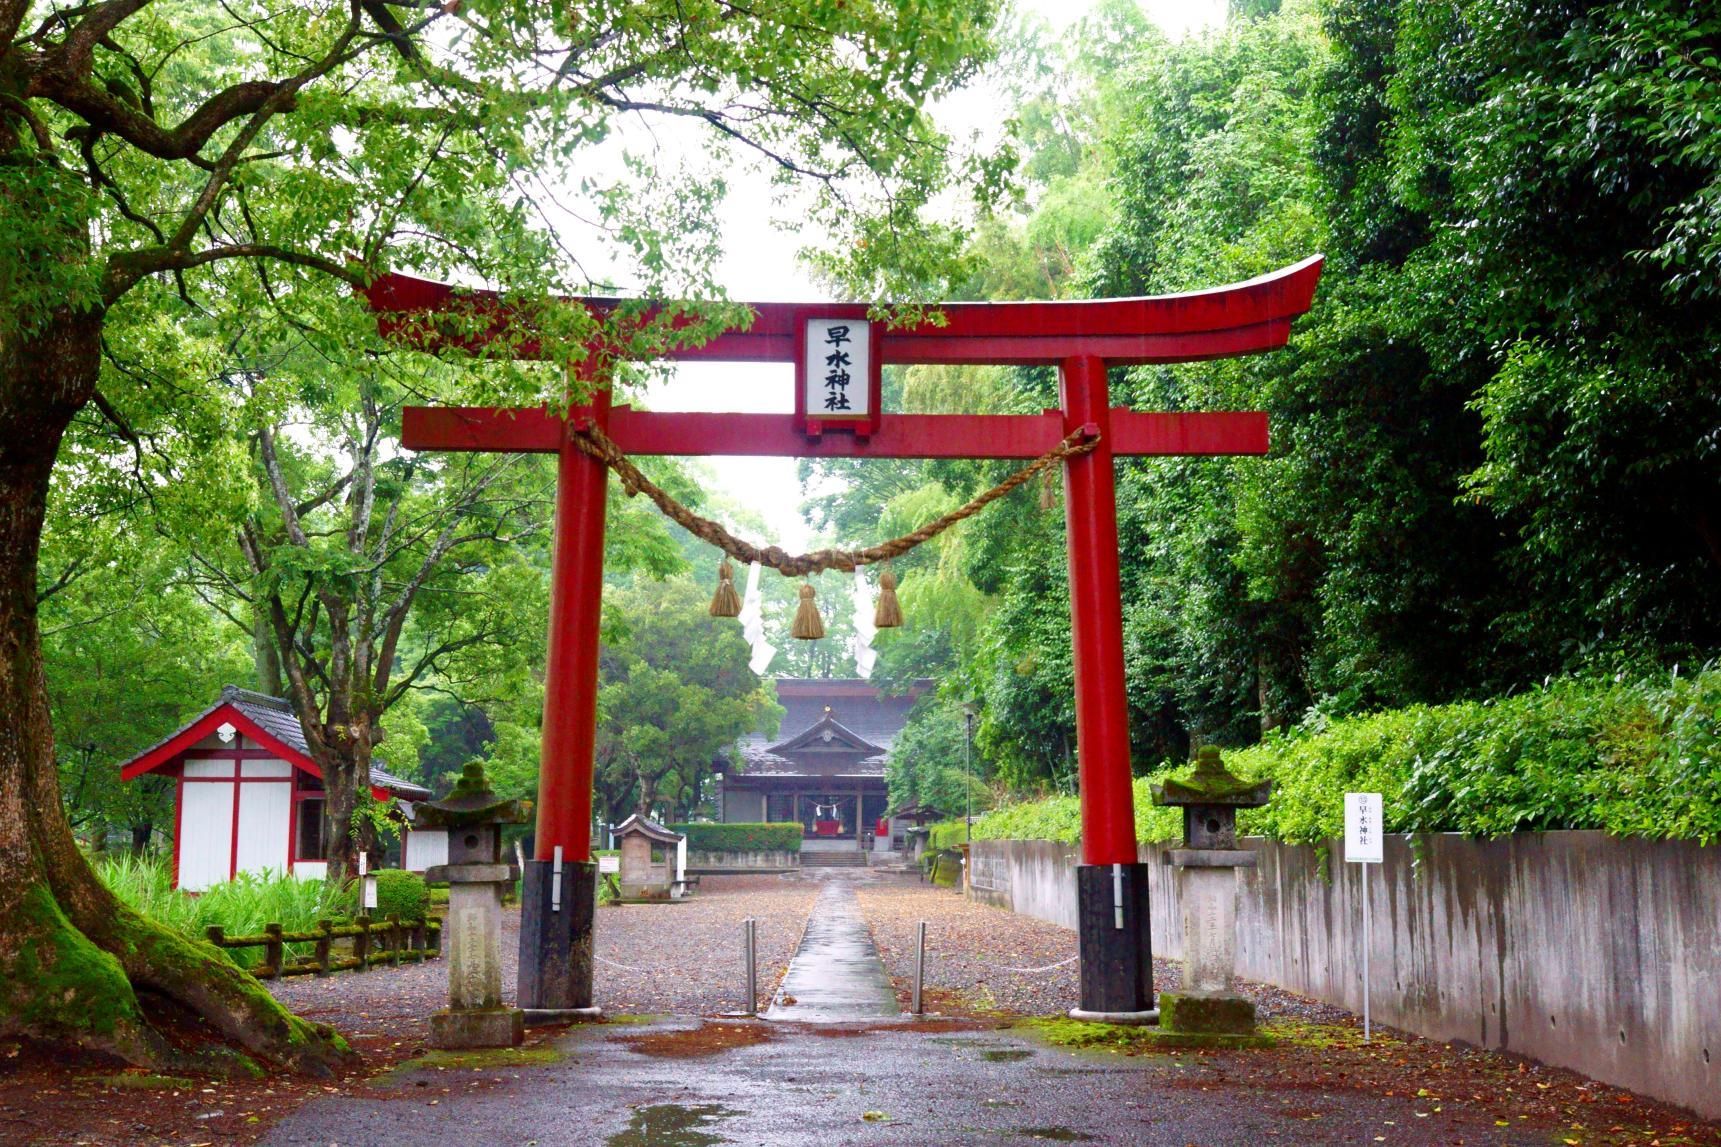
<point x="1082" y="339"/>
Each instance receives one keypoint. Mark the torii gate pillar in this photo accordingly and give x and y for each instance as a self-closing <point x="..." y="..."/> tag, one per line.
<point x="1111" y="884"/>
<point x="558" y="886"/>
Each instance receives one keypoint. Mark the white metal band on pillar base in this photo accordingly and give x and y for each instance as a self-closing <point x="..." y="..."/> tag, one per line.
<point x="556" y="882"/>
<point x="1117" y="896"/>
<point x="1138" y="1019"/>
<point x="544" y="1017"/>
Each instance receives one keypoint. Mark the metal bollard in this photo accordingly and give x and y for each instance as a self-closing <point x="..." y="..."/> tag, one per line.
<point x="919" y="965"/>
<point x="750" y="955"/>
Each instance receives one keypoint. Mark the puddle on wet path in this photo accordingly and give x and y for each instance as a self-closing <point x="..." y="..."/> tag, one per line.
<point x="671" y="1125"/>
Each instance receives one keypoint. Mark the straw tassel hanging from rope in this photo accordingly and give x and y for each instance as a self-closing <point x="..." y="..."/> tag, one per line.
<point x="888" y="614"/>
<point x="808" y="626"/>
<point x="725" y="602"/>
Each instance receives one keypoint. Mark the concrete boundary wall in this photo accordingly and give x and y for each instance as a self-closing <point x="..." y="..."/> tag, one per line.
<point x="704" y="862"/>
<point x="1573" y="948"/>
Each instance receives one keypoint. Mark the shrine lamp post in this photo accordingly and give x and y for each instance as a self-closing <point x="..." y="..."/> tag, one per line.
<point x="838" y="414"/>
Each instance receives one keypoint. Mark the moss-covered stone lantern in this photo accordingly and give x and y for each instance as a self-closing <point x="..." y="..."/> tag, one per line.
<point x="1208" y="1009"/>
<point x="476" y="874"/>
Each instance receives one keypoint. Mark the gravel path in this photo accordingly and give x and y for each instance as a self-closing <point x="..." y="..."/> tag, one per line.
<point x="981" y="958"/>
<point x="680" y="958"/>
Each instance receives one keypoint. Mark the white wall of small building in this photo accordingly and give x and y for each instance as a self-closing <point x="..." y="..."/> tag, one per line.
<point x="260" y="791"/>
<point x="424" y="848"/>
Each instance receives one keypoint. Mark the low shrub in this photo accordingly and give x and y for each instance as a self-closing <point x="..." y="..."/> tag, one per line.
<point x="780" y="837"/>
<point x="1633" y="758"/>
<point x="400" y="893"/>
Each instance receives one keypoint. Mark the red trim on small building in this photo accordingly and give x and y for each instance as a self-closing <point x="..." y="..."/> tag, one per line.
<point x="178" y="747"/>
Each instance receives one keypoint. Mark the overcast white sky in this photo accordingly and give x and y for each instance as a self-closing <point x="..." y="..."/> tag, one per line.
<point x="760" y="265"/>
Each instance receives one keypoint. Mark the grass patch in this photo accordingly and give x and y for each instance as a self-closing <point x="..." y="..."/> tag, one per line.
<point x="146" y="1081"/>
<point x="241" y="906"/>
<point x="488" y="1057"/>
<point x="477" y="1059"/>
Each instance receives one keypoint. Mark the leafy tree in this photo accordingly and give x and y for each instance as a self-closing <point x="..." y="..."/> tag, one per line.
<point x="343" y="547"/>
<point x="676" y="691"/>
<point x="931" y="764"/>
<point x="131" y="651"/>
<point x="163" y="163"/>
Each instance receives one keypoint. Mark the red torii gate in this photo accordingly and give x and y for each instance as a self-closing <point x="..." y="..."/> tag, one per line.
<point x="1081" y="338"/>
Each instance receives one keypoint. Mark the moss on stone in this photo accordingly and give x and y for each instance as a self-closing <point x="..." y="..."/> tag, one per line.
<point x="1135" y="1039"/>
<point x="1210" y="1015"/>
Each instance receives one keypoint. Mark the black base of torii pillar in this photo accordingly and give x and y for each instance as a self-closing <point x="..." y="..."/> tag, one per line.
<point x="1114" y="933"/>
<point x="555" y="975"/>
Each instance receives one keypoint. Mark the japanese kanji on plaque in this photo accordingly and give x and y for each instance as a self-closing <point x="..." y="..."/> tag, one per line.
<point x="838" y="374"/>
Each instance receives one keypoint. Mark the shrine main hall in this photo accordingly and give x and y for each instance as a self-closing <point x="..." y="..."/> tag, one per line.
<point x="825" y="766"/>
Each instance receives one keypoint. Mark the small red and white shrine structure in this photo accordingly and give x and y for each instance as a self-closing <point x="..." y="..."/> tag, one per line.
<point x="248" y="797"/>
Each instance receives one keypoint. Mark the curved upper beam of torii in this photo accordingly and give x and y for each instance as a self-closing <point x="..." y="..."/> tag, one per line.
<point x="1240" y="318"/>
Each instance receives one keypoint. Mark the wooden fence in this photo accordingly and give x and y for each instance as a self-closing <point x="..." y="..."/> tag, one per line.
<point x="373" y="942"/>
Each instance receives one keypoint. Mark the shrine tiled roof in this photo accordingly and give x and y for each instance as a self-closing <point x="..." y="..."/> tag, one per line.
<point x="846" y="706"/>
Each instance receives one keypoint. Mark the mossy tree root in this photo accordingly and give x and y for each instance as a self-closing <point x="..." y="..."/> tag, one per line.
<point x="63" y="985"/>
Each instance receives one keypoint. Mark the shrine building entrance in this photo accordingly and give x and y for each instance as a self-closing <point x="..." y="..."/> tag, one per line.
<point x="838" y="354"/>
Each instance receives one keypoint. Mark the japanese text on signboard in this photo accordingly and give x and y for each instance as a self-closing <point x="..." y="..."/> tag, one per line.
<point x="1363" y="842"/>
<point x="838" y="368"/>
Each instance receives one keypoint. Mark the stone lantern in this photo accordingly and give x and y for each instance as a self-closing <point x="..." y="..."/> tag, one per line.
<point x="1209" y="1004"/>
<point x="476" y="874"/>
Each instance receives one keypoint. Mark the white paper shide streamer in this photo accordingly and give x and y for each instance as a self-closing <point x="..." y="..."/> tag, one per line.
<point x="865" y="631"/>
<point x="752" y="619"/>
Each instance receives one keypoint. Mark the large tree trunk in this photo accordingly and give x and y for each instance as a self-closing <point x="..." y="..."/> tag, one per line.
<point x="73" y="959"/>
<point x="341" y="779"/>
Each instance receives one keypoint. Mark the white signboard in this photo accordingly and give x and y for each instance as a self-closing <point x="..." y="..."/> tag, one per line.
<point x="839" y="369"/>
<point x="609" y="864"/>
<point x="1363" y="842"/>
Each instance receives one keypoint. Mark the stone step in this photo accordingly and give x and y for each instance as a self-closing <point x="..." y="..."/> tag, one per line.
<point x="855" y="859"/>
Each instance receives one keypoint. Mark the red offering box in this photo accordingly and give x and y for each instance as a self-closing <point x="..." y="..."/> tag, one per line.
<point x="828" y="827"/>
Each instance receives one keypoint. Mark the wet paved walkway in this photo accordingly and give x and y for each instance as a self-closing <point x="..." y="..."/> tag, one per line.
<point x="893" y="1084"/>
<point x="836" y="975"/>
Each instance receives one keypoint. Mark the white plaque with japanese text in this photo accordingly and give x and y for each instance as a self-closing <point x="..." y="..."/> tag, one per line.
<point x="838" y="369"/>
<point x="1363" y="839"/>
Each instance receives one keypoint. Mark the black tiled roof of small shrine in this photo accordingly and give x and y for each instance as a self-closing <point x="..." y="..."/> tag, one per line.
<point x="276" y="717"/>
<point x="850" y="709"/>
<point x="647" y="827"/>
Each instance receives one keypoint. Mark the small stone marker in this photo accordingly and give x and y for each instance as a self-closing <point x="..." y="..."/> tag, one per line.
<point x="476" y="876"/>
<point x="1208" y="1005"/>
<point x="645" y="869"/>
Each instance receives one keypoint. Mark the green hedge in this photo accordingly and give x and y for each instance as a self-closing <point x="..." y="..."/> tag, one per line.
<point x="1634" y="758"/>
<point x="784" y="837"/>
<point x="400" y="893"/>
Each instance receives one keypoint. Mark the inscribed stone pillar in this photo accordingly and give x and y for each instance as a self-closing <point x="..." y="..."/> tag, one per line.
<point x="474" y="957"/>
<point x="1209" y="929"/>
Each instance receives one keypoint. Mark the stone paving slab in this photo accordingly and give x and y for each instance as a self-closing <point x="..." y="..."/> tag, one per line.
<point x="836" y="975"/>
